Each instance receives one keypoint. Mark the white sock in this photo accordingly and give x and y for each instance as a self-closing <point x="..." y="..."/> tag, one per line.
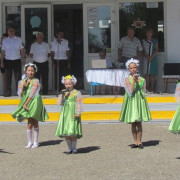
<point x="29" y="136"/>
<point x="36" y="133"/>
<point x="74" y="145"/>
<point x="69" y="144"/>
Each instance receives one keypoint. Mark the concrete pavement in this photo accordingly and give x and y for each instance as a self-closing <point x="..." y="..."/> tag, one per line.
<point x="104" y="153"/>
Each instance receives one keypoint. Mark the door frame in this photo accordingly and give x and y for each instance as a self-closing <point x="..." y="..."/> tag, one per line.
<point x="28" y="59"/>
<point x="24" y="6"/>
<point x="88" y="56"/>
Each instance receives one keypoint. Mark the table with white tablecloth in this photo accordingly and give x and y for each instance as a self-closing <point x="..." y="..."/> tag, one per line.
<point x="111" y="77"/>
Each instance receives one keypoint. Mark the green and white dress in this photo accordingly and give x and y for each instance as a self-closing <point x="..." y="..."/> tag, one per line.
<point x="68" y="125"/>
<point x="174" y="126"/>
<point x="135" y="107"/>
<point x="36" y="107"/>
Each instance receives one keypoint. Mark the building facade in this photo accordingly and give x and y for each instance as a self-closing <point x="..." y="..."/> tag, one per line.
<point x="91" y="25"/>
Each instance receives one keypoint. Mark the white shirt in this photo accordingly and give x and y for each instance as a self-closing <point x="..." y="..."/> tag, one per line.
<point x="40" y="52"/>
<point x="60" y="49"/>
<point x="12" y="47"/>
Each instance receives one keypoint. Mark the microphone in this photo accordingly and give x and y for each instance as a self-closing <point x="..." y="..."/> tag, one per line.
<point x="137" y="75"/>
<point x="26" y="79"/>
<point x="62" y="92"/>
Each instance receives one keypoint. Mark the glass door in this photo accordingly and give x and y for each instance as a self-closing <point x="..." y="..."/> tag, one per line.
<point x="36" y="18"/>
<point x="99" y="32"/>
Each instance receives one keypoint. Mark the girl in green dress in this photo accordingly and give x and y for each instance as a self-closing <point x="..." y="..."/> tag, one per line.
<point x="174" y="126"/>
<point x="69" y="125"/>
<point x="135" y="108"/>
<point x="31" y="105"/>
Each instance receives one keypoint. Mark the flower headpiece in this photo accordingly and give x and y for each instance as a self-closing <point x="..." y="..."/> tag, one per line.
<point x="72" y="78"/>
<point x="31" y="65"/>
<point x="135" y="61"/>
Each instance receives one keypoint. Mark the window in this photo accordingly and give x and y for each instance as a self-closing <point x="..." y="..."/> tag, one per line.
<point x="99" y="29"/>
<point x="13" y="18"/>
<point x="142" y="15"/>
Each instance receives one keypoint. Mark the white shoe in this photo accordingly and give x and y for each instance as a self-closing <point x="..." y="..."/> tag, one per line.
<point x="35" y="145"/>
<point x="29" y="145"/>
<point x="74" y="151"/>
<point x="68" y="151"/>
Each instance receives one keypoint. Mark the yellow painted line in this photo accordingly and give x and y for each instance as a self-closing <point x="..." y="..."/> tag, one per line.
<point x="108" y="115"/>
<point x="120" y="100"/>
<point x="160" y="99"/>
<point x="9" y="102"/>
<point x="109" y="100"/>
<point x="17" y="101"/>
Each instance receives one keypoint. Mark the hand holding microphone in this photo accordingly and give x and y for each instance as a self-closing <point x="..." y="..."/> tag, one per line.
<point x="25" y="84"/>
<point x="136" y="76"/>
<point x="63" y="91"/>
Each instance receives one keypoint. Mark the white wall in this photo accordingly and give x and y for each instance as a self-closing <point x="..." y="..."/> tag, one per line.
<point x="173" y="31"/>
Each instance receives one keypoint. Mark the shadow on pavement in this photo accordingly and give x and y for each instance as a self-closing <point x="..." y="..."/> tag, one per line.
<point x="151" y="143"/>
<point x="50" y="143"/>
<point x="2" y="151"/>
<point x="178" y="158"/>
<point x="88" y="149"/>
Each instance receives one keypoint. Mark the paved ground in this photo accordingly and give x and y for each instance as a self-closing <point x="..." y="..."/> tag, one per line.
<point x="104" y="153"/>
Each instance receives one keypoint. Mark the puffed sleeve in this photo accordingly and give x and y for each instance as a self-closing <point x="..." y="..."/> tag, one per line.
<point x="59" y="100"/>
<point x="128" y="87"/>
<point x="20" y="87"/>
<point x="177" y="93"/>
<point x="35" y="88"/>
<point x="79" y="103"/>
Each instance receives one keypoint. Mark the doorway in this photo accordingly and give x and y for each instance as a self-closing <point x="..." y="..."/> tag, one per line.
<point x="69" y="19"/>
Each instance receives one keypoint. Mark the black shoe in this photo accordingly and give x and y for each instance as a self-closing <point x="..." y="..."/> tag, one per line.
<point x="141" y="146"/>
<point x="133" y="146"/>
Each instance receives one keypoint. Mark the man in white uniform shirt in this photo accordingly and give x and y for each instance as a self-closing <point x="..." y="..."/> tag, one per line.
<point x="40" y="52"/>
<point x="60" y="53"/>
<point x="12" y="52"/>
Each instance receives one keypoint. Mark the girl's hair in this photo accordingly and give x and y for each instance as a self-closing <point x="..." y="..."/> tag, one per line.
<point x="31" y="65"/>
<point x="72" y="78"/>
<point x="135" y="61"/>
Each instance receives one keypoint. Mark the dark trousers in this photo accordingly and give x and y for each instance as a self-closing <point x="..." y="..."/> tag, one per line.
<point x="43" y="73"/>
<point x="12" y="66"/>
<point x="62" y="66"/>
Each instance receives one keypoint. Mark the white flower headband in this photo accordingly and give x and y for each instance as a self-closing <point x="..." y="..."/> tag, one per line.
<point x="72" y="78"/>
<point x="31" y="65"/>
<point x="135" y="61"/>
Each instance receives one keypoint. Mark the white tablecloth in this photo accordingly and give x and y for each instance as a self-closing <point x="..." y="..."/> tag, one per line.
<point x="112" y="77"/>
